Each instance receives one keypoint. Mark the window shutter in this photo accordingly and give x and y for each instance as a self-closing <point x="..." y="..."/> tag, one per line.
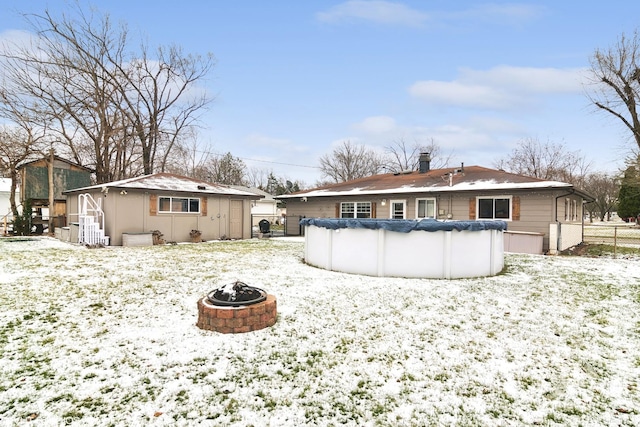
<point x="337" y="210"/>
<point x="472" y="208"/>
<point x="515" y="209"/>
<point x="153" y="204"/>
<point x="373" y="210"/>
<point x="203" y="206"/>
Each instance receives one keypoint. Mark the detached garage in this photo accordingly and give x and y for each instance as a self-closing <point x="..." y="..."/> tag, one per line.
<point x="171" y="204"/>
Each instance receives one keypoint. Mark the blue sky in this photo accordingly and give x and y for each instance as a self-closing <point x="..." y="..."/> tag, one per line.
<point x="294" y="78"/>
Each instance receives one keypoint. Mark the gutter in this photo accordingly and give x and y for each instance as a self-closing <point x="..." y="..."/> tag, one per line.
<point x="573" y="191"/>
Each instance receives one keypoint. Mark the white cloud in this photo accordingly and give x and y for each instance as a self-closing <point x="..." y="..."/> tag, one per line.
<point x="376" y="125"/>
<point x="507" y="13"/>
<point x="378" y="11"/>
<point x="393" y="13"/>
<point x="19" y="37"/>
<point x="461" y="94"/>
<point x="528" y="79"/>
<point x="499" y="88"/>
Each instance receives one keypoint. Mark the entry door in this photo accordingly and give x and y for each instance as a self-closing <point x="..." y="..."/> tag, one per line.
<point x="397" y="209"/>
<point x="235" y="220"/>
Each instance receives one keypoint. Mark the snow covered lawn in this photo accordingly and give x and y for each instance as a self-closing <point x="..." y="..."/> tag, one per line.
<point x="108" y="337"/>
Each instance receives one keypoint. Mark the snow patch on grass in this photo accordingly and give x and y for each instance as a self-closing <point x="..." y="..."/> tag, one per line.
<point x="108" y="336"/>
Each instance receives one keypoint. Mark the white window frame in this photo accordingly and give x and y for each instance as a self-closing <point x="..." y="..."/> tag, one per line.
<point x="494" y="198"/>
<point x="359" y="209"/>
<point x="404" y="208"/>
<point x="173" y="200"/>
<point x="426" y="200"/>
<point x="570" y="209"/>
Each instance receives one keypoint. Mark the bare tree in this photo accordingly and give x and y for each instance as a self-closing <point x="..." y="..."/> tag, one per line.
<point x="159" y="100"/>
<point x="16" y="146"/>
<point x="402" y="157"/>
<point x="227" y="170"/>
<point x="349" y="161"/>
<point x="118" y="109"/>
<point x="60" y="70"/>
<point x="615" y="74"/>
<point x="21" y="141"/>
<point x="190" y="159"/>
<point x="549" y="161"/>
<point x="258" y="177"/>
<point x="604" y="189"/>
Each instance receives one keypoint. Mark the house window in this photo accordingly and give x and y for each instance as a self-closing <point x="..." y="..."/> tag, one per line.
<point x="570" y="210"/>
<point x="425" y="208"/>
<point x="494" y="208"/>
<point x="178" y="205"/>
<point x="398" y="209"/>
<point x="355" y="210"/>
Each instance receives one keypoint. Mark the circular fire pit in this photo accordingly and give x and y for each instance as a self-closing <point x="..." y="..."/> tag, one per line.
<point x="236" y="294"/>
<point x="236" y="308"/>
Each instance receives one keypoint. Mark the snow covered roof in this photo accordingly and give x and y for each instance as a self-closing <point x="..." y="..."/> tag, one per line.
<point x="265" y="196"/>
<point x="467" y="178"/>
<point x="57" y="158"/>
<point x="168" y="182"/>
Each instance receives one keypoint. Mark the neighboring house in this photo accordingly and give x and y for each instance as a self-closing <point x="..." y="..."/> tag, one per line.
<point x="466" y="193"/>
<point x="171" y="204"/>
<point x="34" y="182"/>
<point x="265" y="208"/>
<point x="6" y="216"/>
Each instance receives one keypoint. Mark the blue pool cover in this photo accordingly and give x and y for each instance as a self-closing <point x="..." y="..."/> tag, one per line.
<point x="404" y="225"/>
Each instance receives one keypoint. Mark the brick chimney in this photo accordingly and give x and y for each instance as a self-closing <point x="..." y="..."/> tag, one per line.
<point x="425" y="162"/>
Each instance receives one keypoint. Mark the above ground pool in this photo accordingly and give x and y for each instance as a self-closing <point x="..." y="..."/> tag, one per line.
<point x="425" y="248"/>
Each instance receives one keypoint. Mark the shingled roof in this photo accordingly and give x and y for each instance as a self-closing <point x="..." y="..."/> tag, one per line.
<point x="168" y="182"/>
<point x="466" y="178"/>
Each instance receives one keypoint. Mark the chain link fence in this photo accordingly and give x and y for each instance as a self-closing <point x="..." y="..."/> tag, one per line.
<point x="616" y="235"/>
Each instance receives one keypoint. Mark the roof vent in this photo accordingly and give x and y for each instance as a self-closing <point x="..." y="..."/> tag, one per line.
<point x="201" y="187"/>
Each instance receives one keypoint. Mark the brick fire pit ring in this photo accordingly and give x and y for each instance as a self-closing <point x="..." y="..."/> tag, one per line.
<point x="236" y="319"/>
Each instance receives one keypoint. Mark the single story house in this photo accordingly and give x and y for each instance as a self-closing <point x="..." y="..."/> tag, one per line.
<point x="6" y="216"/>
<point x="264" y="208"/>
<point x="530" y="206"/>
<point x="171" y="204"/>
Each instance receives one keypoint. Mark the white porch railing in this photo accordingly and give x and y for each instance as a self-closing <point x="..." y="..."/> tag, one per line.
<point x="91" y="221"/>
<point x="5" y="221"/>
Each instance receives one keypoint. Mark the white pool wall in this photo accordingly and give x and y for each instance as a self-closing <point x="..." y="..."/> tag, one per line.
<point x="417" y="254"/>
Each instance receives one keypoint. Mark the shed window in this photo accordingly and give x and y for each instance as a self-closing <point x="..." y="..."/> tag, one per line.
<point x="426" y="208"/>
<point x="178" y="205"/>
<point x="355" y="210"/>
<point x="494" y="208"/>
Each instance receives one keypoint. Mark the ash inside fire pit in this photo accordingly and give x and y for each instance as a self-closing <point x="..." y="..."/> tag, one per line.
<point x="236" y="294"/>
